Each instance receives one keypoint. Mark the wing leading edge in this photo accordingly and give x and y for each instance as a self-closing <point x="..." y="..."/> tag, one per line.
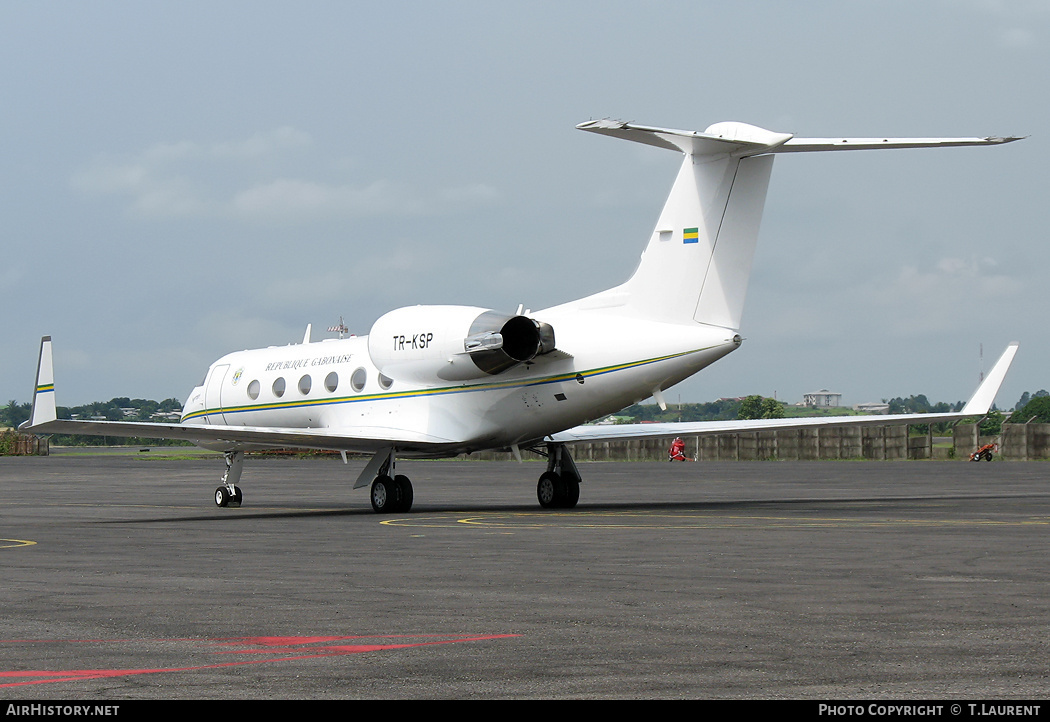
<point x="978" y="405"/>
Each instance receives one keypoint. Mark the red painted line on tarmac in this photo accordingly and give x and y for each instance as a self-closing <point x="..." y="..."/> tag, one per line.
<point x="283" y="649"/>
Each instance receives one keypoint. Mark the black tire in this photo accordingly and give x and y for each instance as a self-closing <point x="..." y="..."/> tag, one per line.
<point x="550" y="490"/>
<point x="383" y="495"/>
<point x="222" y="497"/>
<point x="572" y="493"/>
<point x="404" y="493"/>
<point x="987" y="456"/>
<point x="237" y="496"/>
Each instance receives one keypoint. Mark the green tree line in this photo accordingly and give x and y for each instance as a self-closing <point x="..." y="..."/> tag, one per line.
<point x="12" y="415"/>
<point x="1031" y="407"/>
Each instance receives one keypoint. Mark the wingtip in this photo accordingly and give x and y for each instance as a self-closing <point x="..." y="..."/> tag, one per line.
<point x="601" y="124"/>
<point x="44" y="408"/>
<point x="982" y="399"/>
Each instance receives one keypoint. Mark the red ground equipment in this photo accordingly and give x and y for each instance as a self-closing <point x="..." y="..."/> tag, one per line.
<point x="677" y="451"/>
<point x="985" y="452"/>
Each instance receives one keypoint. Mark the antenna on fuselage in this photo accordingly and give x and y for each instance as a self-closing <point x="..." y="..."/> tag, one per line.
<point x="341" y="329"/>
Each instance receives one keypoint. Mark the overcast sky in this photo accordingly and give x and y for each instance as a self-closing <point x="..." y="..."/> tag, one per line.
<point x="180" y="180"/>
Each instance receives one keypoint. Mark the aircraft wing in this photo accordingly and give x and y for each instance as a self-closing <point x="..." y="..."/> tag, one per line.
<point x="234" y="438"/>
<point x="43" y="419"/>
<point x="977" y="406"/>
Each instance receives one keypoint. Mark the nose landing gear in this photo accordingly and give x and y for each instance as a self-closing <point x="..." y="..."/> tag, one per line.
<point x="229" y="494"/>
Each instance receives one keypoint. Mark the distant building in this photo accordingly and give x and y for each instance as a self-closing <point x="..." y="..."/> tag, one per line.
<point x="873" y="408"/>
<point x="166" y="415"/>
<point x="822" y="399"/>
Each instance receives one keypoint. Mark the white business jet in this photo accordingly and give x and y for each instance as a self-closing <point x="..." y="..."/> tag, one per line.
<point x="438" y="381"/>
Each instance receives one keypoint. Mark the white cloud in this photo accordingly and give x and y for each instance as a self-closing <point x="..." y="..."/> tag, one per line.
<point x="291" y="199"/>
<point x="951" y="279"/>
<point x="181" y="179"/>
<point x="150" y="194"/>
<point x="1016" y="38"/>
<point x="263" y="143"/>
<point x="955" y="295"/>
<point x="904" y="301"/>
<point x="474" y="193"/>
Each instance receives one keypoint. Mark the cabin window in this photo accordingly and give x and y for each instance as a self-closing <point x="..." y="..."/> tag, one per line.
<point x="385" y="381"/>
<point x="253" y="390"/>
<point x="331" y="382"/>
<point x="304" y="385"/>
<point x="358" y="379"/>
<point x="278" y="387"/>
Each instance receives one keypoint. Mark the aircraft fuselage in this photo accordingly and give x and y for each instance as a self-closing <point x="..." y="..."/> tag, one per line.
<point x="333" y="384"/>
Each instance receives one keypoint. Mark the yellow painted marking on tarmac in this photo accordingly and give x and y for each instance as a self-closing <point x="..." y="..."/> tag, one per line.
<point x="581" y="519"/>
<point x="14" y="543"/>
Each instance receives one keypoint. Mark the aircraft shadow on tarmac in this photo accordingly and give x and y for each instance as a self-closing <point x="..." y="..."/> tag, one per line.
<point x="855" y="504"/>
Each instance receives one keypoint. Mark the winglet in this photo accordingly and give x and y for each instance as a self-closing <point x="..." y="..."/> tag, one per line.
<point x="44" y="391"/>
<point x="983" y="397"/>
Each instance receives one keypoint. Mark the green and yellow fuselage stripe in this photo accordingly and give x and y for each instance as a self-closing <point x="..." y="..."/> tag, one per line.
<point x="437" y="391"/>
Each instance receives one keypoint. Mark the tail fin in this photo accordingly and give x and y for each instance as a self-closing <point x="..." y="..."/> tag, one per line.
<point x="44" y="392"/>
<point x="698" y="261"/>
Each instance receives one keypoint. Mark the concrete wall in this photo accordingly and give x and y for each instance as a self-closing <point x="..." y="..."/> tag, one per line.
<point x="879" y="443"/>
<point x="1024" y="442"/>
<point x="1018" y="442"/>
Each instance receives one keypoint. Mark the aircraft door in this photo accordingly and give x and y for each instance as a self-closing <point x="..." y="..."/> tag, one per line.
<point x="213" y="394"/>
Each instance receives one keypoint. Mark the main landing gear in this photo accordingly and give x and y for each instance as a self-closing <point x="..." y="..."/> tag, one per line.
<point x="559" y="486"/>
<point x="391" y="493"/>
<point x="229" y="494"/>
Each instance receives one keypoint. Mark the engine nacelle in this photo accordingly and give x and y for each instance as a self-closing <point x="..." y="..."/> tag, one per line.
<point x="454" y="343"/>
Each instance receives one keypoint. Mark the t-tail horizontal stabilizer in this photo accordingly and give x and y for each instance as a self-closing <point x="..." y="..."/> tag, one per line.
<point x="696" y="266"/>
<point x="742" y="140"/>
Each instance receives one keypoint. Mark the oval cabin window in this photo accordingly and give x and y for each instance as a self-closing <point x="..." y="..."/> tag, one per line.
<point x="358" y="379"/>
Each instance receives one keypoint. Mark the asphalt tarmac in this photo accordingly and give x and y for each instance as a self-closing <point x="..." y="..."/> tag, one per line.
<point x="121" y="580"/>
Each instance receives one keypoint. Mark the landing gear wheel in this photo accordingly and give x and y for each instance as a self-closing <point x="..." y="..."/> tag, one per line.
<point x="384" y="495"/>
<point x="229" y="494"/>
<point x="550" y="490"/>
<point x="572" y="493"/>
<point x="404" y="493"/>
